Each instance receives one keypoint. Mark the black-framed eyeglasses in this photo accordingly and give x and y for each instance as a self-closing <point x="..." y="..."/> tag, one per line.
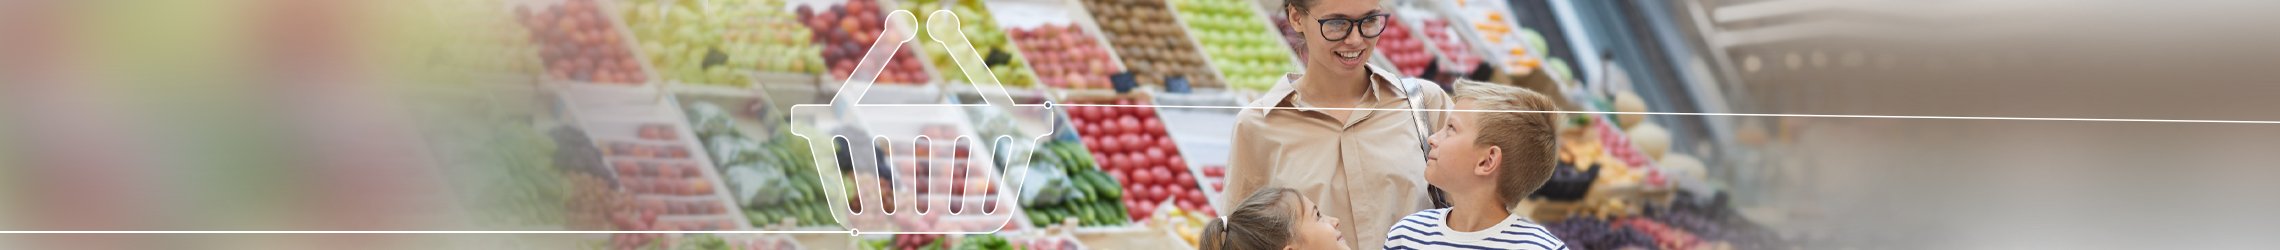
<point x="1371" y="26"/>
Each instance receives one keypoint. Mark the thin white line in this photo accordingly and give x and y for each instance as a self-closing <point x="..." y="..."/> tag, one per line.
<point x="1718" y="114"/>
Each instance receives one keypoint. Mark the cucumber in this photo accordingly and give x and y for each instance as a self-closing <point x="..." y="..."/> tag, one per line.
<point x="1037" y="218"/>
<point x="1106" y="185"/>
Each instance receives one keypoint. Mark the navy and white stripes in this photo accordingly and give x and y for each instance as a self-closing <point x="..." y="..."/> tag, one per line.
<point x="1424" y="230"/>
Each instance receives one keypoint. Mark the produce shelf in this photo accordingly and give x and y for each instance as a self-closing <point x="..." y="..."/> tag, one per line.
<point x="584" y="34"/>
<point x="1060" y="59"/>
<point x="1241" y="45"/>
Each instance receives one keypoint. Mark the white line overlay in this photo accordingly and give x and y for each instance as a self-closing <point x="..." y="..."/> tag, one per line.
<point x="1699" y="114"/>
<point x="1139" y="106"/>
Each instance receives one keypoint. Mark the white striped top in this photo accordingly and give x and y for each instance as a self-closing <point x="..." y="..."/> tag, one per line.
<point x="1427" y="230"/>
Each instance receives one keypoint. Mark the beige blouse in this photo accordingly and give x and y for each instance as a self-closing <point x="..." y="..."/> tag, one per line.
<point x="1368" y="171"/>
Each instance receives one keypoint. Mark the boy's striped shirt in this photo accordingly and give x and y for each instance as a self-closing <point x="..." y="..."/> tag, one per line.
<point x="1427" y="230"/>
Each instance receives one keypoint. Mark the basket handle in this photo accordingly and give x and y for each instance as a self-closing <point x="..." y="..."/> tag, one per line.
<point x="945" y="27"/>
<point x="897" y="32"/>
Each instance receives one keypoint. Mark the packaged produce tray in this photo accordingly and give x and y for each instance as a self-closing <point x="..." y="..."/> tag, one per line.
<point x="581" y="41"/>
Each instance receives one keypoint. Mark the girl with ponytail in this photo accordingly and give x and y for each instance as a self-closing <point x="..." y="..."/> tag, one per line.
<point x="1273" y="219"/>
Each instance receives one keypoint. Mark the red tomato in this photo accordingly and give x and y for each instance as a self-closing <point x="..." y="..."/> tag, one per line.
<point x="1156" y="156"/>
<point x="1097" y="158"/>
<point x="1131" y="124"/>
<point x="1119" y="176"/>
<point x="1110" y="161"/>
<point x="1196" y="195"/>
<point x="1145" y="111"/>
<point x="1146" y="195"/>
<point x="1162" y="174"/>
<point x="1183" y="178"/>
<point x="1153" y="125"/>
<point x="1175" y="161"/>
<point x="1157" y="193"/>
<point x="1133" y="143"/>
<point x="1166" y="143"/>
<point x="1111" y="144"/>
<point x="1214" y="171"/>
<point x="1144" y="176"/>
<point x="1135" y="161"/>
<point x="1177" y="191"/>
<point x="1093" y="144"/>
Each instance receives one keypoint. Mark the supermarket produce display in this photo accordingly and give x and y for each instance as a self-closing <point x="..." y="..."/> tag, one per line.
<point x="847" y="30"/>
<point x="1064" y="185"/>
<point x="717" y="42"/>
<point x="1132" y="145"/>
<point x="1402" y="46"/>
<point x="774" y="181"/>
<point x="1448" y="42"/>
<point x="578" y="42"/>
<point x="1154" y="47"/>
<point x="645" y="150"/>
<point x="1066" y="56"/>
<point x="469" y="39"/>
<point x="981" y="30"/>
<point x="1508" y="44"/>
<point x="1242" y="48"/>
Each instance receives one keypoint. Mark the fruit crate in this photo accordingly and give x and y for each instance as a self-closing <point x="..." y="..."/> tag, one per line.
<point x="1202" y="134"/>
<point x="1448" y="46"/>
<point x="1495" y="32"/>
<point x="982" y="29"/>
<point x="1244" y="68"/>
<point x="1125" y="144"/>
<point x="1063" y="150"/>
<point x="721" y="43"/>
<point x="935" y="135"/>
<point x="653" y="154"/>
<point x="864" y="21"/>
<point x="747" y="127"/>
<point x="1029" y="23"/>
<point x="1048" y="241"/>
<point x="1151" y="42"/>
<point x="557" y="25"/>
<point x="1404" y="32"/>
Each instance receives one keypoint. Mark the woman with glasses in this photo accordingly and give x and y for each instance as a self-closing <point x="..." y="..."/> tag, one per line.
<point x="1344" y="133"/>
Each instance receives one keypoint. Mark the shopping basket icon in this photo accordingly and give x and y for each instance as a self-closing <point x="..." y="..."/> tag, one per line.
<point x="861" y="203"/>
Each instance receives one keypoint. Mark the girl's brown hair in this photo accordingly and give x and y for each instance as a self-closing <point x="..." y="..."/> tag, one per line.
<point x="1262" y="222"/>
